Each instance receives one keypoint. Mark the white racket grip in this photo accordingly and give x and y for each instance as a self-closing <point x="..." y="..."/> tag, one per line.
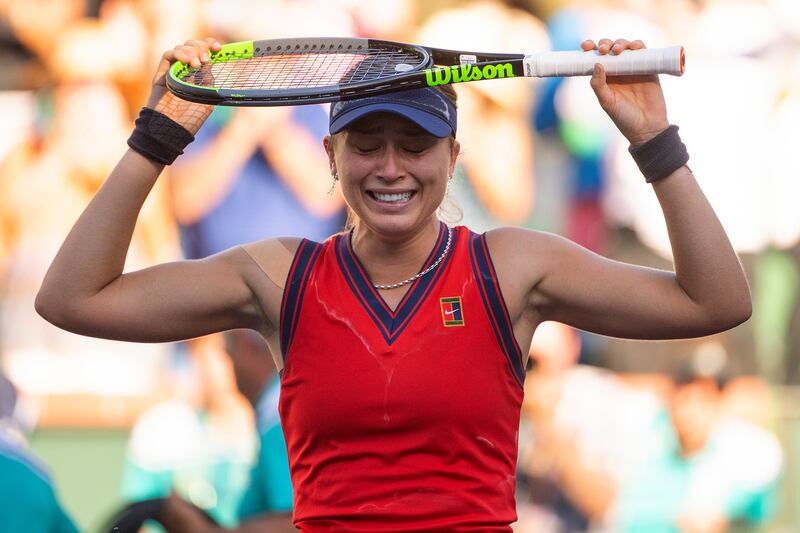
<point x="668" y="60"/>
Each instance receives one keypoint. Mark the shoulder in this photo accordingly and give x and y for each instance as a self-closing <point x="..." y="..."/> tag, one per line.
<point x="274" y="257"/>
<point x="522" y="260"/>
<point x="514" y="247"/>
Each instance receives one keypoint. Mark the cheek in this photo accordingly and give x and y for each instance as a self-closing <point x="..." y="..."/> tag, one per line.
<point x="350" y="184"/>
<point x="351" y="194"/>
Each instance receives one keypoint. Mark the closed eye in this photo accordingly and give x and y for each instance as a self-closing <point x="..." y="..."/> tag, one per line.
<point x="365" y="149"/>
<point x="415" y="149"/>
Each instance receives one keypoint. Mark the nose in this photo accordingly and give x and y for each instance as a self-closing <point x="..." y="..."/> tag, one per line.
<point x="391" y="165"/>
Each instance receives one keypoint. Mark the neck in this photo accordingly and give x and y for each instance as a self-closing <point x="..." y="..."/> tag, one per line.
<point x="389" y="259"/>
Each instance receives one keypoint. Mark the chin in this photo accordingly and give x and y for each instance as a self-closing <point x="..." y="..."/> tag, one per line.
<point x="398" y="225"/>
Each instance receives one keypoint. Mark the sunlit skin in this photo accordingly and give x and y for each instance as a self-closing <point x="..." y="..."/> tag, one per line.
<point x="384" y="153"/>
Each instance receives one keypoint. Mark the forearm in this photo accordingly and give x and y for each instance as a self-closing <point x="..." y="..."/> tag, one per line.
<point x="706" y="266"/>
<point x="94" y="252"/>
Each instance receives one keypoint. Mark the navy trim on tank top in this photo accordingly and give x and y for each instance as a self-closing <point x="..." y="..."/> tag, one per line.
<point x="296" y="282"/>
<point x="392" y="323"/>
<point x="495" y="305"/>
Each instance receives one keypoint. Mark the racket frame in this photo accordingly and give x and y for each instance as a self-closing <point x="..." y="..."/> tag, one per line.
<point x="436" y="67"/>
<point x="412" y="78"/>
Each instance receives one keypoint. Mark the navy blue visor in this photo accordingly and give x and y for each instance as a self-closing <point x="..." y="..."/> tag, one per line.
<point x="427" y="108"/>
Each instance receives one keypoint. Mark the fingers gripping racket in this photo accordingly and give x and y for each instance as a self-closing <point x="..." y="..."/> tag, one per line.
<point x="314" y="70"/>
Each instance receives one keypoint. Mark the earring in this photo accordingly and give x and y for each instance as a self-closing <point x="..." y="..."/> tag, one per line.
<point x="334" y="179"/>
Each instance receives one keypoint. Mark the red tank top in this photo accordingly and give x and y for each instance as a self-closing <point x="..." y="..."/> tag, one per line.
<point x="402" y="420"/>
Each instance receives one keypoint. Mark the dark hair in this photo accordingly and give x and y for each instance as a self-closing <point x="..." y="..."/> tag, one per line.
<point x="689" y="370"/>
<point x="449" y="92"/>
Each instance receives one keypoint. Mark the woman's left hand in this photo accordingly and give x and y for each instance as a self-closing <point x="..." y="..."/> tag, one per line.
<point x="635" y="103"/>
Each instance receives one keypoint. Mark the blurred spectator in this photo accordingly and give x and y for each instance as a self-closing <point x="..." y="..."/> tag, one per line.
<point x="784" y="167"/>
<point x="254" y="174"/>
<point x="21" y="68"/>
<point x="199" y="447"/>
<point x="242" y="20"/>
<point x="61" y="168"/>
<point x="585" y="430"/>
<point x="392" y="20"/>
<point x="170" y="22"/>
<point x="729" y="44"/>
<point x="494" y="178"/>
<point x="270" y="487"/>
<point x="268" y="500"/>
<point x="565" y="107"/>
<point x="721" y="470"/>
<point x="39" y="23"/>
<point x="600" y="455"/>
<point x="28" y="502"/>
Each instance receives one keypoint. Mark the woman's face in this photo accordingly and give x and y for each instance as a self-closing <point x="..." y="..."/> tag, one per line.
<point x="393" y="174"/>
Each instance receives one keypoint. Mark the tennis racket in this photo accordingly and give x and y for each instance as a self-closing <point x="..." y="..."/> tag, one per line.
<point x="132" y="516"/>
<point x="278" y="72"/>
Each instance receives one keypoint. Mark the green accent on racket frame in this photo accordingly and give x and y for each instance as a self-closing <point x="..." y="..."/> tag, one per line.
<point x="228" y="52"/>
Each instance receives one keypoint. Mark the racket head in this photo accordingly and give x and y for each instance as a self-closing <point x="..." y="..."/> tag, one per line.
<point x="296" y="71"/>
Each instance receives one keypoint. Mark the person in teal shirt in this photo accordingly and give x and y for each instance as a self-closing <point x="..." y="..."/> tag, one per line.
<point x="268" y="499"/>
<point x="28" y="501"/>
<point x="720" y="471"/>
<point x="270" y="488"/>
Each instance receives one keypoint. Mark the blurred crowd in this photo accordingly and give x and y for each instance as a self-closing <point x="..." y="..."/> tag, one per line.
<point x="698" y="436"/>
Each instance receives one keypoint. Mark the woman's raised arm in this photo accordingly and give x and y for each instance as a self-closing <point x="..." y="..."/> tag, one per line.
<point x="558" y="280"/>
<point x="85" y="290"/>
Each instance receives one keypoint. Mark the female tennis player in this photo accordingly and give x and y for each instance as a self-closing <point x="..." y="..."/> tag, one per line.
<point x="399" y="341"/>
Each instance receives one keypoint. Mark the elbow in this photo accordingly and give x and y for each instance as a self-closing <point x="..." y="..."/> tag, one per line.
<point x="741" y="309"/>
<point x="743" y="312"/>
<point x="733" y="313"/>
<point x="46" y="307"/>
<point x="53" y="309"/>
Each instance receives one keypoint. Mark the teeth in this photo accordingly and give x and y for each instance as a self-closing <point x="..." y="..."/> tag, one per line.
<point x="398" y="197"/>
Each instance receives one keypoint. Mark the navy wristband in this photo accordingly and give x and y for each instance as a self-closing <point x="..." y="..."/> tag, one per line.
<point x="660" y="156"/>
<point x="158" y="137"/>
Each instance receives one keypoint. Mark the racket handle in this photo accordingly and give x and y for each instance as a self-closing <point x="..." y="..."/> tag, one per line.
<point x="630" y="62"/>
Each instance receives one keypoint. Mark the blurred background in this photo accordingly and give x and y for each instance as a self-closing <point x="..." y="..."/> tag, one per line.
<point x="700" y="435"/>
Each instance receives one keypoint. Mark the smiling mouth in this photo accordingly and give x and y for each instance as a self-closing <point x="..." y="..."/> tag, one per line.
<point x="392" y="198"/>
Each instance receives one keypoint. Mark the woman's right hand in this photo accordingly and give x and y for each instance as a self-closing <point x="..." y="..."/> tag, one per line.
<point x="188" y="114"/>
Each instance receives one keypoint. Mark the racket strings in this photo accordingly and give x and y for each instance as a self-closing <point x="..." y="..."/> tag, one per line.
<point x="303" y="69"/>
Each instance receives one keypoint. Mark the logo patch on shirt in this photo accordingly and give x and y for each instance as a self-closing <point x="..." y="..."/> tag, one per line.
<point x="452" y="312"/>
